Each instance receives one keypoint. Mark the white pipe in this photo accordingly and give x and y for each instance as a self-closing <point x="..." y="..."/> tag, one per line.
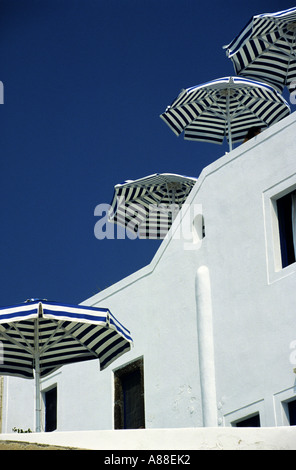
<point x="37" y="377"/>
<point x="206" y="347"/>
<point x="228" y="121"/>
<point x="6" y="404"/>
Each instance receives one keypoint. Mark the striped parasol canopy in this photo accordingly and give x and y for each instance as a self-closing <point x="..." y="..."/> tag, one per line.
<point x="265" y="49"/>
<point x="149" y="205"/>
<point x="228" y="106"/>
<point x="41" y="336"/>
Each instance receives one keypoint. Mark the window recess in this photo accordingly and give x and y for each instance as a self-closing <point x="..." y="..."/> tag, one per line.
<point x="286" y="211"/>
<point x="250" y="421"/>
<point x="290" y="412"/>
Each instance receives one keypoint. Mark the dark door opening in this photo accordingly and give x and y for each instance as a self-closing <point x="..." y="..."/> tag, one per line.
<point x="50" y="401"/>
<point x="129" y="397"/>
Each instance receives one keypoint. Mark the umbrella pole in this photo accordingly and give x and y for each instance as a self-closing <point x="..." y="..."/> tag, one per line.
<point x="37" y="378"/>
<point x="173" y="204"/>
<point x="228" y="121"/>
<point x="38" y="396"/>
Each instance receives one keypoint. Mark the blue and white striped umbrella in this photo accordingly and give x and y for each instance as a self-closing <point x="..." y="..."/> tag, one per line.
<point x="149" y="205"/>
<point x="228" y="106"/>
<point x="265" y="49"/>
<point x="42" y="336"/>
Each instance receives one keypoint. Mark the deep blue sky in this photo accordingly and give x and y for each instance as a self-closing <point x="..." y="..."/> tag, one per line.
<point x="84" y="84"/>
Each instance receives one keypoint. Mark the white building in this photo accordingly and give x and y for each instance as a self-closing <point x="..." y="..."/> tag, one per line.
<point x="212" y="316"/>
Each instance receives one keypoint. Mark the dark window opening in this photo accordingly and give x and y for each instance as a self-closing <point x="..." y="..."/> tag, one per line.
<point x="129" y="397"/>
<point x="285" y="207"/>
<point x="50" y="402"/>
<point x="199" y="230"/>
<point x="292" y="412"/>
<point x="251" y="421"/>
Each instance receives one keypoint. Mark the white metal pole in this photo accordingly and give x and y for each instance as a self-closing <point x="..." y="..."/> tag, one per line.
<point x="228" y="120"/>
<point x="37" y="377"/>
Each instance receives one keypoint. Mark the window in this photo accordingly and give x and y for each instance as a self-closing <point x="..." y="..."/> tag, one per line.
<point x="50" y="402"/>
<point x="129" y="396"/>
<point x="251" y="421"/>
<point x="286" y="209"/>
<point x="279" y="209"/>
<point x="285" y="407"/>
<point x="290" y="412"/>
<point x="198" y="228"/>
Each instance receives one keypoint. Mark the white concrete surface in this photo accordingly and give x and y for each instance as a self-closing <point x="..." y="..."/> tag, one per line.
<point x="281" y="438"/>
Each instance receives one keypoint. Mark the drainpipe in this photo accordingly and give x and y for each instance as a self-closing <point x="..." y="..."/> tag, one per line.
<point x="206" y="347"/>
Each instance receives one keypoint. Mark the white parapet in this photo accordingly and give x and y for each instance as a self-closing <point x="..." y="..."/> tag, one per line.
<point x="184" y="439"/>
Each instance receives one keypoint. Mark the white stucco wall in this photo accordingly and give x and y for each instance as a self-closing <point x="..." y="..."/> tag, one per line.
<point x="252" y="303"/>
<point x="159" y="307"/>
<point x="254" y="317"/>
<point x="212" y="320"/>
